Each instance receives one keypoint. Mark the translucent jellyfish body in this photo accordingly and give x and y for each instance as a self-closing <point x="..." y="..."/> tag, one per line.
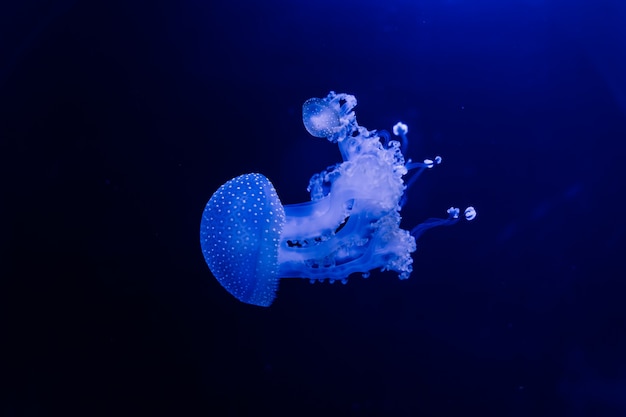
<point x="250" y="240"/>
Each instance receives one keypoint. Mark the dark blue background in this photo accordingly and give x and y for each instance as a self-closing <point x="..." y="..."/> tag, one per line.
<point x="118" y="120"/>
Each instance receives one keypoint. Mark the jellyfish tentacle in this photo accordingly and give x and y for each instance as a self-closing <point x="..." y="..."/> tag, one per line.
<point x="401" y="129"/>
<point x="470" y="213"/>
<point x="453" y="218"/>
<point x="421" y="167"/>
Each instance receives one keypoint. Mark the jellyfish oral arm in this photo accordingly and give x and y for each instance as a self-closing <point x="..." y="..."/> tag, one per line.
<point x="357" y="242"/>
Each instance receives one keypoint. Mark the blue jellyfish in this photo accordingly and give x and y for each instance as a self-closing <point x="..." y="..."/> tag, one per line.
<point x="250" y="240"/>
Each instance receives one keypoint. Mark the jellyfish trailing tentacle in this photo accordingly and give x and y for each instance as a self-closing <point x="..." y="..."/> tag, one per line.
<point x="401" y="129"/>
<point x="250" y="240"/>
<point x="453" y="218"/>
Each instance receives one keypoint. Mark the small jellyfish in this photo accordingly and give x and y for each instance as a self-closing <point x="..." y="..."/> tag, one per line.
<point x="319" y="119"/>
<point x="250" y="240"/>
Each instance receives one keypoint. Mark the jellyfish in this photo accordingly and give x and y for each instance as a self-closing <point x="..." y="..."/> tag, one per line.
<point x="250" y="239"/>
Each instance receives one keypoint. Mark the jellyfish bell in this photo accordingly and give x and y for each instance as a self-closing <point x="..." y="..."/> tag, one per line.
<point x="239" y="235"/>
<point x="351" y="225"/>
<point x="319" y="119"/>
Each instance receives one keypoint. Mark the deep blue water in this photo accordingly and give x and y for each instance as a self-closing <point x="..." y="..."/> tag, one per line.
<point x="118" y="120"/>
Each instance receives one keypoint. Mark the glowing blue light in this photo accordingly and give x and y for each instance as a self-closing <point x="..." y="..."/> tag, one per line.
<point x="351" y="225"/>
